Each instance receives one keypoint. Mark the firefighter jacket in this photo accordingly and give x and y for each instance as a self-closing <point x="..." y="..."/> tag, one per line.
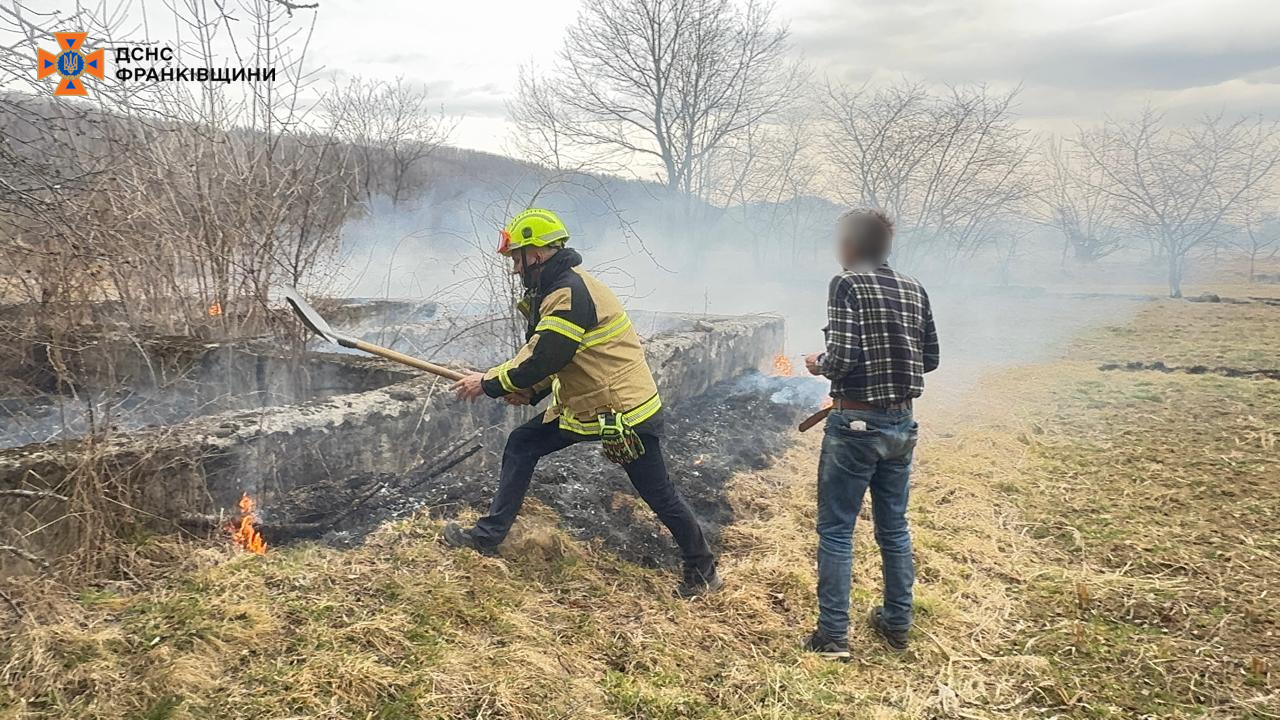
<point x="580" y="349"/>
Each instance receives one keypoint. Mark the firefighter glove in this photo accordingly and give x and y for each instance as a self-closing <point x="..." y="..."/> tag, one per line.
<point x="619" y="441"/>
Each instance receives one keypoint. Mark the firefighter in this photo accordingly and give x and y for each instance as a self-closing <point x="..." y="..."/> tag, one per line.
<point x="583" y="353"/>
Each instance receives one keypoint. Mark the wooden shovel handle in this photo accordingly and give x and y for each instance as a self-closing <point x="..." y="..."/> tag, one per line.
<point x="413" y="362"/>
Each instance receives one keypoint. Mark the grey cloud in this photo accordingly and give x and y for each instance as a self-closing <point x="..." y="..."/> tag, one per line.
<point x="1266" y="77"/>
<point x="1080" y="60"/>
<point x="487" y="100"/>
<point x="457" y="99"/>
<point x="969" y="42"/>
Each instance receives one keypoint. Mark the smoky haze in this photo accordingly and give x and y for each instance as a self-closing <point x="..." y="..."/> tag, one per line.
<point x="700" y="161"/>
<point x="701" y="170"/>
<point x="988" y="316"/>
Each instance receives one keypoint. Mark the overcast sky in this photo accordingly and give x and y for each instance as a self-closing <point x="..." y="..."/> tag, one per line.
<point x="1075" y="59"/>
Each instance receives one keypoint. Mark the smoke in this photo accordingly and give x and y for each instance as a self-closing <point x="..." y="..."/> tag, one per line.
<point x="401" y="252"/>
<point x="996" y="308"/>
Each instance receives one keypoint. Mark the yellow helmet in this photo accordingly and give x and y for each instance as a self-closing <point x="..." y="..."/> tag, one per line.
<point x="532" y="228"/>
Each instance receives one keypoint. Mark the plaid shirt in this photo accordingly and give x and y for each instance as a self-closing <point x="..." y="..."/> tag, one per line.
<point x="880" y="336"/>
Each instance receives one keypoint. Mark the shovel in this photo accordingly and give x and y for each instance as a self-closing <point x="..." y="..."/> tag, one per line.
<point x="317" y="325"/>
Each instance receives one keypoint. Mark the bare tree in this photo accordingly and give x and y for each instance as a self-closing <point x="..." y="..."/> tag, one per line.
<point x="768" y="178"/>
<point x="951" y="168"/>
<point x="181" y="195"/>
<point x="1258" y="237"/>
<point x="542" y="133"/>
<point x="392" y="129"/>
<point x="1182" y="186"/>
<point x="1072" y="203"/>
<point x="671" y="81"/>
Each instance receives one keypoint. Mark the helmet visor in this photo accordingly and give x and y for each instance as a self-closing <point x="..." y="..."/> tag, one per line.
<point x="504" y="241"/>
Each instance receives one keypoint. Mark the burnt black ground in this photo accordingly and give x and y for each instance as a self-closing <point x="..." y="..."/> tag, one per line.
<point x="741" y="424"/>
<point x="1231" y="372"/>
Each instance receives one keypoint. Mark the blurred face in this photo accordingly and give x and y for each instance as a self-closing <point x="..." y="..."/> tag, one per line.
<point x="846" y="245"/>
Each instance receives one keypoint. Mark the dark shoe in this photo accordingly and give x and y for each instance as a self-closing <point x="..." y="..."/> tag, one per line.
<point x="829" y="649"/>
<point x="895" y="639"/>
<point x="459" y="537"/>
<point x="698" y="582"/>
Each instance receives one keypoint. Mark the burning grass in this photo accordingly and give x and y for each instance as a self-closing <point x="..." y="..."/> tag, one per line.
<point x="782" y="366"/>
<point x="1088" y="544"/>
<point x="245" y="533"/>
<point x="402" y="628"/>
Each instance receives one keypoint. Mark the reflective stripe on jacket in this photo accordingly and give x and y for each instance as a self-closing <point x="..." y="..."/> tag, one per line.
<point x="581" y="349"/>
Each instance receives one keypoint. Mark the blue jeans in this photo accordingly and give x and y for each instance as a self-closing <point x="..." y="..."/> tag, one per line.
<point x="878" y="458"/>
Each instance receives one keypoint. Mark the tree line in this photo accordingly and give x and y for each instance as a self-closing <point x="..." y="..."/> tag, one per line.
<point x="184" y="204"/>
<point x="167" y="189"/>
<point x="708" y="97"/>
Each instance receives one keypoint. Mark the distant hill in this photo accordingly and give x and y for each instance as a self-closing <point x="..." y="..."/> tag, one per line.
<point x="461" y="195"/>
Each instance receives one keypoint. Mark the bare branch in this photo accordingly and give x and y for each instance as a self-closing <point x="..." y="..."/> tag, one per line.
<point x="33" y="494"/>
<point x="953" y="169"/>
<point x="25" y="555"/>
<point x="675" y="81"/>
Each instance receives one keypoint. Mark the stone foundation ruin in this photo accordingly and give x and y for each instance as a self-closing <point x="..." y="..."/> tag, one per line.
<point x="226" y="419"/>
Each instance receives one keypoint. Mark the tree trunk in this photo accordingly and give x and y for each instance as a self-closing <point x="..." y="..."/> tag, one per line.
<point x="1175" y="275"/>
<point x="1086" y="253"/>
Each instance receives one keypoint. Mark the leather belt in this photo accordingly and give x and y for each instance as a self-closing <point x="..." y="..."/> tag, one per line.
<point x="846" y="404"/>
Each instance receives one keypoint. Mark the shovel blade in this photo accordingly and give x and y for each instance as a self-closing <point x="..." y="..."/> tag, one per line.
<point x="309" y="316"/>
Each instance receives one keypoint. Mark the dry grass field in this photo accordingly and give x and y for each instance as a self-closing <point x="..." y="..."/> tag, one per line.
<point x="1090" y="543"/>
<point x="1182" y="334"/>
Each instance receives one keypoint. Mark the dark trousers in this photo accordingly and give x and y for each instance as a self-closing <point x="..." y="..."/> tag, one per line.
<point x="531" y="441"/>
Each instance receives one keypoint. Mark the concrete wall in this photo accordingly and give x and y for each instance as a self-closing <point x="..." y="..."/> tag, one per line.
<point x="207" y="371"/>
<point x="205" y="464"/>
<point x="128" y="383"/>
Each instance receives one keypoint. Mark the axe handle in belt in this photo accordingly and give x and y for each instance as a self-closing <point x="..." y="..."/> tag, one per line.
<point x="815" y="418"/>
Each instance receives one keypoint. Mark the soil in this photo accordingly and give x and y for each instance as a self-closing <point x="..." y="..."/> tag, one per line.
<point x="741" y="424"/>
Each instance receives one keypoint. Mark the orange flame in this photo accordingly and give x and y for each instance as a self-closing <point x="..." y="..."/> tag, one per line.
<point x="215" y="309"/>
<point x="245" y="534"/>
<point x="782" y="365"/>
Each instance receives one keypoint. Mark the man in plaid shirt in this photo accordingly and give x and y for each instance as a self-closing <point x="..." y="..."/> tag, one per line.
<point x="880" y="341"/>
